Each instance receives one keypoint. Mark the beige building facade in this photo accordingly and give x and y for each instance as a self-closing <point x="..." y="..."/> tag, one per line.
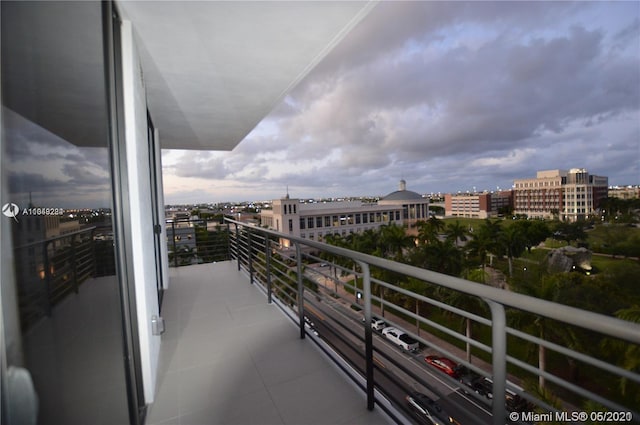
<point x="316" y="220"/>
<point x="569" y="195"/>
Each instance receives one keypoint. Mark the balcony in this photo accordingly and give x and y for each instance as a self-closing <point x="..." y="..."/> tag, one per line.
<point x="276" y="335"/>
<point x="229" y="357"/>
<point x="328" y="290"/>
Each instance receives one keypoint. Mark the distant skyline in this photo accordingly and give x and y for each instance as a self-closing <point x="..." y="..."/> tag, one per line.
<point x="447" y="96"/>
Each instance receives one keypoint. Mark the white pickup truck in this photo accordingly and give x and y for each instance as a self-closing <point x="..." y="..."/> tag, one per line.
<point x="401" y="339"/>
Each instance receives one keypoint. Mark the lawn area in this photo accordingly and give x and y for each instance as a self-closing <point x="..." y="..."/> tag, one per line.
<point x="474" y="223"/>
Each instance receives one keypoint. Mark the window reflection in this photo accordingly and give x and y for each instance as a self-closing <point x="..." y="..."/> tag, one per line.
<point x="56" y="169"/>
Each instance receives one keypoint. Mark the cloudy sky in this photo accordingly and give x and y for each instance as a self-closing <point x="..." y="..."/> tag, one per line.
<point x="449" y="96"/>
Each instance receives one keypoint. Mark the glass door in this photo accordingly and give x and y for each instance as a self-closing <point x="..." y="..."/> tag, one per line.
<point x="156" y="211"/>
<point x="65" y="316"/>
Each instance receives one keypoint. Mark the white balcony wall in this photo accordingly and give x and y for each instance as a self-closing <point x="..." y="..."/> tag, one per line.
<point x="139" y="200"/>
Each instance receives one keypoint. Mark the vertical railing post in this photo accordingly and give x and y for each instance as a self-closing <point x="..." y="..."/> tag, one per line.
<point x="47" y="279"/>
<point x="499" y="360"/>
<point x="368" y="333"/>
<point x="93" y="253"/>
<point x="250" y="255"/>
<point x="267" y="249"/>
<point x="175" y="247"/>
<point x="238" y="245"/>
<point x="229" y="242"/>
<point x="74" y="264"/>
<point x="300" y="289"/>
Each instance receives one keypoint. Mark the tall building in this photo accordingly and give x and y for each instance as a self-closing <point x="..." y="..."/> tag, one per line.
<point x="316" y="220"/>
<point x="569" y="195"/>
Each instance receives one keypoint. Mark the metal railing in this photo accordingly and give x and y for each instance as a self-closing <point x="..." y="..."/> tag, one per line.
<point x="194" y="241"/>
<point x="332" y="288"/>
<point x="47" y="271"/>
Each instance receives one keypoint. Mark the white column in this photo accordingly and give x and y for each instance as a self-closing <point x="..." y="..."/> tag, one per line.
<point x="139" y="208"/>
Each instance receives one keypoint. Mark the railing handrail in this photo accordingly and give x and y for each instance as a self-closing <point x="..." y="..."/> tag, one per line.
<point x="606" y="325"/>
<point x="66" y="235"/>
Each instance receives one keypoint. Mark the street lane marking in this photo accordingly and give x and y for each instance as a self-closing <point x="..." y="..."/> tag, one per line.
<point x="378" y="362"/>
<point x="315" y="312"/>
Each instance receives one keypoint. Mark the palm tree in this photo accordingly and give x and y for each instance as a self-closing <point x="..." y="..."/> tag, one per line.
<point x="631" y="359"/>
<point x="512" y="243"/>
<point x="479" y="246"/>
<point x="443" y="257"/>
<point x="547" y="289"/>
<point x="393" y="241"/>
<point x="464" y="302"/>
<point x="428" y="230"/>
<point x="335" y="260"/>
<point x="456" y="232"/>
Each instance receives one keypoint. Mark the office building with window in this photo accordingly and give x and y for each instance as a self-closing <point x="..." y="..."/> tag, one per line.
<point x="316" y="220"/>
<point x="568" y="195"/>
<point x="478" y="205"/>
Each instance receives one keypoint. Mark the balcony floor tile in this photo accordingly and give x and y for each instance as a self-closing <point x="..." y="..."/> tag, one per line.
<point x="228" y="357"/>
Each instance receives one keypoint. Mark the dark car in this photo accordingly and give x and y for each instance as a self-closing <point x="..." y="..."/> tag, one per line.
<point x="466" y="376"/>
<point x="515" y="403"/>
<point x="427" y="410"/>
<point x="474" y="382"/>
<point x="484" y="387"/>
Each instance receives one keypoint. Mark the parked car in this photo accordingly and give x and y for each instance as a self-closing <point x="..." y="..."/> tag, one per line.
<point x="376" y="324"/>
<point x="310" y="326"/>
<point x="484" y="387"/>
<point x="443" y="364"/>
<point x="474" y="381"/>
<point x="466" y="376"/>
<point x="515" y="403"/>
<point x="401" y="339"/>
<point x="427" y="410"/>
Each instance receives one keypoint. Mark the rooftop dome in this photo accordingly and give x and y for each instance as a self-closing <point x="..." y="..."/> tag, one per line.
<point x="402" y="194"/>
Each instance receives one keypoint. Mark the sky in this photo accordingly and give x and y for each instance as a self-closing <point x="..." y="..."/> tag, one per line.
<point x="449" y="96"/>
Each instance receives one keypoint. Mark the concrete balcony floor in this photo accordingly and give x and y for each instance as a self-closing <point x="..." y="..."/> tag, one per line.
<point x="228" y="357"/>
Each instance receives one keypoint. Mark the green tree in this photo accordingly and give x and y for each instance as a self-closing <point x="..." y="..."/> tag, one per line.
<point x="465" y="302"/>
<point x="439" y="256"/>
<point x="512" y="243"/>
<point x="456" y="232"/>
<point x="533" y="231"/>
<point x="429" y="230"/>
<point x="393" y="241"/>
<point x="546" y="329"/>
<point x="478" y="247"/>
<point x="570" y="231"/>
<point x="631" y="357"/>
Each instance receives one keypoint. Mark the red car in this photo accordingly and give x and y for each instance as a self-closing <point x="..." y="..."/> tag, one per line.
<point x="444" y="364"/>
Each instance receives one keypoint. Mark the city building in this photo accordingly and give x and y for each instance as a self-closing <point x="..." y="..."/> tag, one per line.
<point x="568" y="195"/>
<point x="478" y="205"/>
<point x="316" y="220"/>
<point x="415" y="207"/>
<point x="625" y="192"/>
<point x="471" y="205"/>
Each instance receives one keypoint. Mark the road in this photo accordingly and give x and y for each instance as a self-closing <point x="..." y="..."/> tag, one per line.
<point x="390" y="379"/>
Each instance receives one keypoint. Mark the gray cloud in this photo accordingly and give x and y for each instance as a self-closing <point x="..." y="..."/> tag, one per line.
<point x="451" y="95"/>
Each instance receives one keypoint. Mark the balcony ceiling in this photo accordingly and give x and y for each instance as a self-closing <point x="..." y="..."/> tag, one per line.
<point x="213" y="70"/>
